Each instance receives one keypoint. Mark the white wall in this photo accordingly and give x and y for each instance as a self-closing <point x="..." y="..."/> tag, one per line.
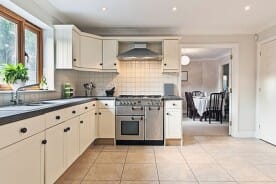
<point x="247" y="75"/>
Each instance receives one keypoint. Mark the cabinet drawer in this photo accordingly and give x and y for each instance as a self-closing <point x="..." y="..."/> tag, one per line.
<point x="20" y="130"/>
<point x="173" y="104"/>
<point x="83" y="108"/>
<point x="106" y="104"/>
<point x="74" y="111"/>
<point x="56" y="117"/>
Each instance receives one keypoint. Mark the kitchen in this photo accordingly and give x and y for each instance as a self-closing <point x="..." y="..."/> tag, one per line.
<point x="126" y="127"/>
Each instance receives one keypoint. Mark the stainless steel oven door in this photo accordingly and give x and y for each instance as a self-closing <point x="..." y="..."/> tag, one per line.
<point x="130" y="128"/>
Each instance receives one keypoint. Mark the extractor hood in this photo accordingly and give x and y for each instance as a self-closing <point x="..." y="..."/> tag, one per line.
<point x="140" y="52"/>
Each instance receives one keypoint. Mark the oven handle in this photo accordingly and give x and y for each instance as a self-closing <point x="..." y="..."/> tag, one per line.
<point x="137" y="108"/>
<point x="140" y="118"/>
<point x="150" y="108"/>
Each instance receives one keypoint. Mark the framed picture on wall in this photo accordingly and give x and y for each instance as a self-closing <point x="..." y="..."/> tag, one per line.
<point x="184" y="75"/>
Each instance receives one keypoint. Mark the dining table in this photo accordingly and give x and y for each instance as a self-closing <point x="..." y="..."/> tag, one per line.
<point x="201" y="104"/>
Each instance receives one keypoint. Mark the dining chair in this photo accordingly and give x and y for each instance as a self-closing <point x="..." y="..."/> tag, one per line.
<point x="197" y="93"/>
<point x="191" y="106"/>
<point x="215" y="107"/>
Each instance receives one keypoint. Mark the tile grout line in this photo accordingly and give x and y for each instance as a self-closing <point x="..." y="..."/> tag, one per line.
<point x="124" y="165"/>
<point x="156" y="165"/>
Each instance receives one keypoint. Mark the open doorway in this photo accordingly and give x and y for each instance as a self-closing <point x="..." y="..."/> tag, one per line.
<point x="208" y="79"/>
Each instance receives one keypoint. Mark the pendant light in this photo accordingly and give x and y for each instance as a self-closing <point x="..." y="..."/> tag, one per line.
<point x="185" y="60"/>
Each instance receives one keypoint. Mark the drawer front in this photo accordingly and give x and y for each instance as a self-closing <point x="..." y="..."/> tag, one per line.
<point x="73" y="111"/>
<point x="87" y="107"/>
<point x="56" y="117"/>
<point x="106" y="104"/>
<point x="14" y="132"/>
<point x="173" y="104"/>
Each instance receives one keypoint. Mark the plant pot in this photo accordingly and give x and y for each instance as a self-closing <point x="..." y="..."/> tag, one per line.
<point x="17" y="84"/>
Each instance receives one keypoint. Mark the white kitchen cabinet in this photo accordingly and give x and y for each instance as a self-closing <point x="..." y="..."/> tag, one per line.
<point x="173" y="119"/>
<point x="67" y="46"/>
<point x="91" y="53"/>
<point x="23" y="162"/>
<point x="54" y="153"/>
<point x="85" y="130"/>
<point x="110" y="52"/>
<point x="94" y="125"/>
<point x="106" y="123"/>
<point x="171" y="60"/>
<point x="71" y="141"/>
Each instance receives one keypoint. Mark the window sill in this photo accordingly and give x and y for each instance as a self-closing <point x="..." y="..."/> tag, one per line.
<point x="29" y="91"/>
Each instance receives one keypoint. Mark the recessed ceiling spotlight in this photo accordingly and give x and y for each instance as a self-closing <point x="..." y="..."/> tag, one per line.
<point x="247" y="8"/>
<point x="174" y="9"/>
<point x="104" y="8"/>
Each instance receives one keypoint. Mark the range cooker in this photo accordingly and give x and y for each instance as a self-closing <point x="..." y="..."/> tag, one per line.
<point x="139" y="120"/>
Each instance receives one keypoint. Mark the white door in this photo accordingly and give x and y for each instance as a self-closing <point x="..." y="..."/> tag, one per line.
<point x="110" y="51"/>
<point x="85" y="131"/>
<point x="54" y="154"/>
<point x="23" y="162"/>
<point x="173" y="120"/>
<point x="267" y="92"/>
<point x="71" y="141"/>
<point x="106" y="123"/>
<point x="91" y="53"/>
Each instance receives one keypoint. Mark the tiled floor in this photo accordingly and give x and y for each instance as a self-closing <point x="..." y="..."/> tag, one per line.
<point x="201" y="160"/>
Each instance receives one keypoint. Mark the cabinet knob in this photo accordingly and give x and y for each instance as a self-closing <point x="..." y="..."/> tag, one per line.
<point x="85" y="107"/>
<point x="57" y="117"/>
<point x="101" y="64"/>
<point x="75" y="59"/>
<point x="95" y="113"/>
<point x="94" y="105"/>
<point x="74" y="112"/>
<point x="115" y="64"/>
<point x="100" y="113"/>
<point x="44" y="142"/>
<point x="106" y="104"/>
<point x="65" y="130"/>
<point x="173" y="104"/>
<point x="81" y="122"/>
<point x="68" y="128"/>
<point x="168" y="113"/>
<point x="23" y="130"/>
<point x="165" y="64"/>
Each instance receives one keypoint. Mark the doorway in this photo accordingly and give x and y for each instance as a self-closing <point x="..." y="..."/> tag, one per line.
<point x="219" y="65"/>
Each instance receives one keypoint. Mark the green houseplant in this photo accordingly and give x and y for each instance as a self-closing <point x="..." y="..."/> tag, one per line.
<point x="15" y="75"/>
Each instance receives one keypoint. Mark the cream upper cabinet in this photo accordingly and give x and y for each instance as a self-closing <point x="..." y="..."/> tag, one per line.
<point x="110" y="51"/>
<point x="54" y="153"/>
<point x="91" y="53"/>
<point x="23" y="162"/>
<point x="67" y="46"/>
<point x="85" y="130"/>
<point x="171" y="56"/>
<point x="173" y="119"/>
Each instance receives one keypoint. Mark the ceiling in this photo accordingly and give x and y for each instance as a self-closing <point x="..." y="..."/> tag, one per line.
<point x="205" y="54"/>
<point x="190" y="17"/>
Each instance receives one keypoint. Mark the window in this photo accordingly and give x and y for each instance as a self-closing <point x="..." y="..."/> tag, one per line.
<point x="20" y="42"/>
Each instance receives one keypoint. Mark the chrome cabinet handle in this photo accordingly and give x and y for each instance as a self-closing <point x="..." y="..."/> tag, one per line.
<point x="132" y="118"/>
<point x="150" y="108"/>
<point x="137" y="108"/>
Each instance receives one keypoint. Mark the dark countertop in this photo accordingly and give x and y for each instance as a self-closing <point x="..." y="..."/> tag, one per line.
<point x="172" y="98"/>
<point x="13" y="113"/>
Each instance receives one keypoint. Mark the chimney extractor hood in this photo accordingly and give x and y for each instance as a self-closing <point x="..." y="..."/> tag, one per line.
<point x="140" y="52"/>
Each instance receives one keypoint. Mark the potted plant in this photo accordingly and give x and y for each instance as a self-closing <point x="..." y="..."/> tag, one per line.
<point x="15" y="75"/>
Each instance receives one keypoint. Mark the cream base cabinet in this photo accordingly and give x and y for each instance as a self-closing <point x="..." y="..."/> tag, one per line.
<point x="106" y="123"/>
<point x="54" y="153"/>
<point x="171" y="60"/>
<point x="23" y="162"/>
<point x="85" y="130"/>
<point x="94" y="125"/>
<point x="71" y="141"/>
<point x="173" y="124"/>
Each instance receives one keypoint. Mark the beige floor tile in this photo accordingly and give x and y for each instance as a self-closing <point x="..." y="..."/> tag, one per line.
<point x="105" y="172"/>
<point x="111" y="157"/>
<point x="263" y="182"/>
<point x="100" y="182"/>
<point x="200" y="158"/>
<point x="268" y="170"/>
<point x="169" y="157"/>
<point x="115" y="148"/>
<point x="140" y="158"/>
<point x="140" y="149"/>
<point x="138" y="172"/>
<point x="245" y="172"/>
<point x="98" y="148"/>
<point x="177" y="182"/>
<point x="76" y="172"/>
<point x="140" y="182"/>
<point x="88" y="156"/>
<point x="223" y="182"/>
<point x="174" y="172"/>
<point x="192" y="148"/>
<point x="67" y="182"/>
<point x="210" y="172"/>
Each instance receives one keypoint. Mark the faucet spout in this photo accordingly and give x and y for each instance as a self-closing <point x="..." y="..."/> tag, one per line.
<point x="16" y="99"/>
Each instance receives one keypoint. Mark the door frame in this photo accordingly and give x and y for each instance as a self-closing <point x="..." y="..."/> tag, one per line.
<point x="234" y="128"/>
<point x="259" y="48"/>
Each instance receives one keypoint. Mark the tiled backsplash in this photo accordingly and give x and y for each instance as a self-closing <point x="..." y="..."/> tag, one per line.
<point x="133" y="78"/>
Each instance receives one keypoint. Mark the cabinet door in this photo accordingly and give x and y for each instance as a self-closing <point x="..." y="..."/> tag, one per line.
<point x="173" y="127"/>
<point x="71" y="141"/>
<point x="94" y="127"/>
<point x="171" y="59"/>
<point x="91" y="53"/>
<point x="54" y="154"/>
<point x="110" y="51"/>
<point x="85" y="131"/>
<point x="23" y="162"/>
<point x="106" y="123"/>
<point x="76" y="48"/>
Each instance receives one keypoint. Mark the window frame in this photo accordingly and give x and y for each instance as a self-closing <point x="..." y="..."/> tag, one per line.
<point x="23" y="24"/>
